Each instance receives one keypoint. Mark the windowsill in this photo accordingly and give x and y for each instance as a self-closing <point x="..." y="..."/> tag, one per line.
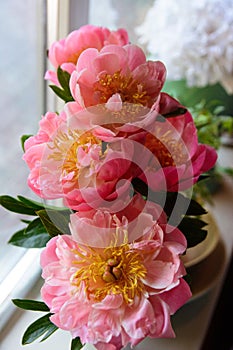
<point x="18" y="283"/>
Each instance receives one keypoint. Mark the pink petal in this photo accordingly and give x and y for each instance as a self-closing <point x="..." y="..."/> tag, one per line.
<point x="163" y="323"/>
<point x="139" y="320"/>
<point x="86" y="59"/>
<point x="106" y="63"/>
<point x="52" y="76"/>
<point x="177" y="296"/>
<point x="109" y="302"/>
<point x="136" y="56"/>
<point x="160" y="274"/>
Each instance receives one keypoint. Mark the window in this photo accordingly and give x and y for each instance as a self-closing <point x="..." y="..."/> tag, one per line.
<point x="22" y="103"/>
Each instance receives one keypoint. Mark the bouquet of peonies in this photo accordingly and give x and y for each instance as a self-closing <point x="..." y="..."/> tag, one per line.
<point x="123" y="157"/>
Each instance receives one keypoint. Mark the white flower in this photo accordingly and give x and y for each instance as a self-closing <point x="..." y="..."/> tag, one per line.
<point x="193" y="38"/>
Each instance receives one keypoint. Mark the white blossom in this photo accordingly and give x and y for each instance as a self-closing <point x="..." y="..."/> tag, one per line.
<point x="194" y="39"/>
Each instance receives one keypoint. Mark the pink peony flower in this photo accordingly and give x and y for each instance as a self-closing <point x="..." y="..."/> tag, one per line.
<point x="35" y="147"/>
<point x="65" y="52"/>
<point x="177" y="159"/>
<point x="114" y="70"/>
<point x="72" y="164"/>
<point x="120" y="293"/>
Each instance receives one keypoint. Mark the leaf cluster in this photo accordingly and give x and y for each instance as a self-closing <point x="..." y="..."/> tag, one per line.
<point x="48" y="222"/>
<point x="211" y="123"/>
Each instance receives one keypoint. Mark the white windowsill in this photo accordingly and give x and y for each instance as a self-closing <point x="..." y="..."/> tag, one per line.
<point x="18" y="283"/>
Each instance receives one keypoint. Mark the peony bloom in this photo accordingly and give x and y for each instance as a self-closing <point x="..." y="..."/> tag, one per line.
<point x="122" y="292"/>
<point x="116" y="71"/>
<point x="70" y="163"/>
<point x="177" y="159"/>
<point x="65" y="52"/>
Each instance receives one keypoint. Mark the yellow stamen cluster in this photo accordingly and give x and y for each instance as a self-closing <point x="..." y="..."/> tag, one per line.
<point x="129" y="88"/>
<point x="65" y="147"/>
<point x="114" y="270"/>
<point x="167" y="150"/>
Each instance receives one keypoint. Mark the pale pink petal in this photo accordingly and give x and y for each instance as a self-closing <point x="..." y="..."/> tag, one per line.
<point x="68" y="67"/>
<point x="52" y="76"/>
<point x="160" y="274"/>
<point x="114" y="103"/>
<point x="86" y="59"/>
<point x="139" y="320"/>
<point x="163" y="327"/>
<point x="49" y="255"/>
<point x="109" y="302"/>
<point x="136" y="56"/>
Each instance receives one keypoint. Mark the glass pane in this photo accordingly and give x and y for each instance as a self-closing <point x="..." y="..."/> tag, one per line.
<point x="20" y="105"/>
<point x="126" y="14"/>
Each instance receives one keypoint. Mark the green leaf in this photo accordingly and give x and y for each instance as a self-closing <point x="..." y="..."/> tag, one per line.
<point x="56" y="222"/>
<point x="25" y="221"/>
<point x="192" y="228"/>
<point x="178" y="205"/>
<point x="23" y="139"/>
<point x="31" y="203"/>
<point x="203" y="177"/>
<point x="64" y="79"/>
<point x="175" y="203"/>
<point x="49" y="332"/>
<point x="16" y="205"/>
<point x="33" y="236"/>
<point x="37" y="205"/>
<point x="41" y="326"/>
<point x="32" y="305"/>
<point x="175" y="113"/>
<point x="64" y="95"/>
<point x="23" y="205"/>
<point x="195" y="208"/>
<point x="18" y="238"/>
<point x="76" y="344"/>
